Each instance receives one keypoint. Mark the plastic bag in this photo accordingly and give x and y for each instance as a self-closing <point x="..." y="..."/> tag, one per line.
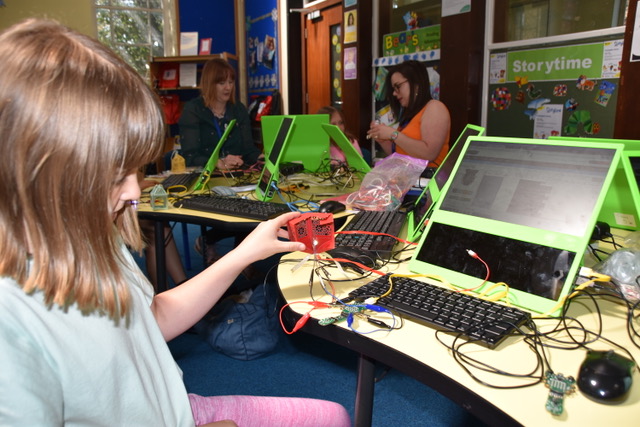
<point x="384" y="187"/>
<point x="624" y="266"/>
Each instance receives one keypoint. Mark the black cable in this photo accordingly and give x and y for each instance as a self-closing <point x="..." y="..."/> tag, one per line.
<point x="467" y="362"/>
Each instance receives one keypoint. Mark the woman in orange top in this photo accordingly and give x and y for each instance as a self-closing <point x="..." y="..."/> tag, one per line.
<point x="423" y="122"/>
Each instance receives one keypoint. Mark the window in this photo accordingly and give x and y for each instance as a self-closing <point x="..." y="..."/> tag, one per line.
<point x="529" y="19"/>
<point x="137" y="30"/>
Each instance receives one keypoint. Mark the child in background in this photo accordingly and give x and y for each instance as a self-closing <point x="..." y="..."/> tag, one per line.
<point x="82" y="335"/>
<point x="336" y="117"/>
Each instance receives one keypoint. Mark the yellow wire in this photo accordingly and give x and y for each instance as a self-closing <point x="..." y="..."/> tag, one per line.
<point x="596" y="277"/>
<point x="497" y="296"/>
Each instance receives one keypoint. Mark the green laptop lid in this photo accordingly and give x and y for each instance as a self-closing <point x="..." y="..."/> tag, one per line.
<point x="353" y="157"/>
<point x="519" y="212"/>
<point x="210" y="166"/>
<point x="631" y="166"/>
<point x="268" y="182"/>
<point x="308" y="144"/>
<point x="619" y="209"/>
<point x="421" y="209"/>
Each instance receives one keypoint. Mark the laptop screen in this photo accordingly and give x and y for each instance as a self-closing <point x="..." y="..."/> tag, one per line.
<point x="270" y="171"/>
<point x="444" y="171"/>
<point x="634" y="161"/>
<point x="631" y="167"/>
<point x="423" y="205"/>
<point x="526" y="207"/>
<point x="550" y="187"/>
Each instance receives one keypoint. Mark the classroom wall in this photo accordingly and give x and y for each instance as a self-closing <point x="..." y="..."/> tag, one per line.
<point x="211" y="19"/>
<point x="262" y="46"/>
<point x="77" y="14"/>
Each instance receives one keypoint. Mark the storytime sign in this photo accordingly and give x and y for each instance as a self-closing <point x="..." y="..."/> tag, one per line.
<point x="592" y="61"/>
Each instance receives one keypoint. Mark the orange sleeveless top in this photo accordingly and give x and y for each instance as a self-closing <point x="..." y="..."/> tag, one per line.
<point x="412" y="130"/>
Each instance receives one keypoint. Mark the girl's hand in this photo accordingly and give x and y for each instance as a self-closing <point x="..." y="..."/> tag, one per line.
<point x="263" y="241"/>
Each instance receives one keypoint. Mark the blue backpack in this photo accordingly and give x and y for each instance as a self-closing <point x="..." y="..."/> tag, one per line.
<point x="243" y="330"/>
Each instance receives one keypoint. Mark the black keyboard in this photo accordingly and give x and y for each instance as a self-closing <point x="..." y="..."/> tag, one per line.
<point x="388" y="222"/>
<point x="235" y="206"/>
<point x="185" y="179"/>
<point x="486" y="321"/>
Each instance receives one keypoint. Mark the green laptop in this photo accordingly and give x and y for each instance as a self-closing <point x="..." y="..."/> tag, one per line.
<point x="526" y="208"/>
<point x="353" y="157"/>
<point x="421" y="209"/>
<point x="620" y="208"/>
<point x="308" y="144"/>
<point x="268" y="182"/>
<point x="208" y="169"/>
<point x="201" y="181"/>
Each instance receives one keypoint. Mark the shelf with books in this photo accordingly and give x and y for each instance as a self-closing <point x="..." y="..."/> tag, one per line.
<point x="182" y="72"/>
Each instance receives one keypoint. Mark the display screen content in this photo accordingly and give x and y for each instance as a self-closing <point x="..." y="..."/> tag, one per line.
<point x="422" y="208"/>
<point x="548" y="187"/>
<point x="281" y="137"/>
<point x="264" y="185"/>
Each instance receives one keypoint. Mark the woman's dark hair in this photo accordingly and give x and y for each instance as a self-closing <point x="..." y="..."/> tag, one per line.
<point x="420" y="89"/>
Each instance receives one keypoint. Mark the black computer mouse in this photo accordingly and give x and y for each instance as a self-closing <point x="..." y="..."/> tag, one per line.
<point x="605" y="376"/>
<point x="332" y="206"/>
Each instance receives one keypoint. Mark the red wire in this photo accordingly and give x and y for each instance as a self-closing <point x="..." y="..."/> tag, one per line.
<point x="303" y="320"/>
<point x="373" y="233"/>
<point x="486" y="266"/>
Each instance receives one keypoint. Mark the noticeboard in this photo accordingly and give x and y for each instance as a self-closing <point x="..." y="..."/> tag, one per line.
<point x="568" y="91"/>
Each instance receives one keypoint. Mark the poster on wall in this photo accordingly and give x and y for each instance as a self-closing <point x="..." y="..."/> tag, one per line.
<point x="189" y="43"/>
<point x="568" y="91"/>
<point x="262" y="47"/>
<point x="548" y="121"/>
<point x="498" y="68"/>
<point x="351" y="26"/>
<point x="350" y="63"/>
<point x="415" y="40"/>
<point x="205" y="46"/>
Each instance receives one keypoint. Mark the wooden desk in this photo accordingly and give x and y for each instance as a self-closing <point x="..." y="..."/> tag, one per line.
<point x="415" y="351"/>
<point x="313" y="193"/>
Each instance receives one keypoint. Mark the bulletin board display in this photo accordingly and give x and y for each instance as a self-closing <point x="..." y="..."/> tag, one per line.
<point x="262" y="46"/>
<point x="557" y="91"/>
